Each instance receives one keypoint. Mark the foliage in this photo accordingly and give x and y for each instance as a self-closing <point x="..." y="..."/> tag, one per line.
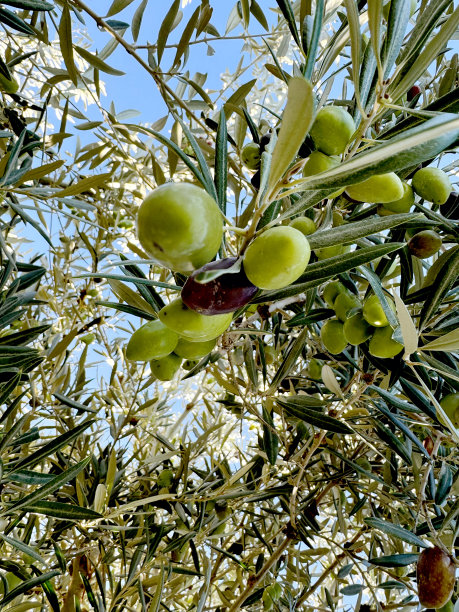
<point x="270" y="473"/>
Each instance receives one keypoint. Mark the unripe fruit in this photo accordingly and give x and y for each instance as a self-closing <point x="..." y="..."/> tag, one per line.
<point x="344" y="303"/>
<point x="331" y="251"/>
<point x="432" y="184"/>
<point x="356" y="329"/>
<point x="448" y="607"/>
<point x="165" y="478"/>
<point x="189" y="364"/>
<point x="332" y="129"/>
<point x="251" y="156"/>
<point x="435" y="575"/>
<point x="305" y="225"/>
<point x="373" y="312"/>
<point x="380" y="188"/>
<point x="226" y="293"/>
<point x="315" y="369"/>
<point x="381" y="343"/>
<point x="180" y="226"/>
<point x="404" y="204"/>
<point x="277" y="257"/>
<point x="193" y="350"/>
<point x="424" y="244"/>
<point x="8" y="85"/>
<point x="450" y="404"/>
<point x="332" y="336"/>
<point x="165" y="368"/>
<point x="319" y="162"/>
<point x="151" y="341"/>
<point x="191" y="324"/>
<point x="331" y="292"/>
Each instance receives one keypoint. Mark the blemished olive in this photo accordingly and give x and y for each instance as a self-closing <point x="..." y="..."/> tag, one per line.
<point x="180" y="226"/>
<point x="424" y="244"/>
<point x="435" y="575"/>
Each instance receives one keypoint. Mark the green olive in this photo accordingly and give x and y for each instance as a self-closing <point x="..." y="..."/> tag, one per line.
<point x="332" y="129"/>
<point x="382" y="345"/>
<point x="303" y="224"/>
<point x="331" y="251"/>
<point x="180" y="226"/>
<point x="315" y="369"/>
<point x="450" y="404"/>
<point x="378" y="189"/>
<point x="344" y="303"/>
<point x="151" y="341"/>
<point x="8" y="85"/>
<point x="432" y="184"/>
<point x="356" y="329"/>
<point x="319" y="162"/>
<point x="424" y="244"/>
<point x="191" y="324"/>
<point x="277" y="257"/>
<point x="193" y="350"/>
<point x="404" y="204"/>
<point x="165" y="368"/>
<point x="332" y="336"/>
<point x="165" y="478"/>
<point x="373" y="312"/>
<point x="251" y="156"/>
<point x="331" y="292"/>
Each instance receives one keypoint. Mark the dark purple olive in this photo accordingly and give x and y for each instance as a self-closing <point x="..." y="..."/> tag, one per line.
<point x="413" y="92"/>
<point x="225" y="293"/>
<point x="264" y="141"/>
<point x="307" y="147"/>
<point x="450" y="208"/>
<point x="255" y="180"/>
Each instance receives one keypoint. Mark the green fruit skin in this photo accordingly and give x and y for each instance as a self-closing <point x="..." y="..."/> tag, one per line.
<point x="448" y="607"/>
<point x="373" y="312"/>
<point x="378" y="189"/>
<point x="193" y="350"/>
<point x="315" y="369"/>
<point x="331" y="292"/>
<point x="382" y="345"/>
<point x="180" y="226"/>
<point x="151" y="341"/>
<point x="251" y="156"/>
<point x="424" y="244"/>
<point x="8" y="85"/>
<point x="356" y="329"/>
<point x="332" y="336"/>
<point x="450" y="404"/>
<point x="304" y="225"/>
<point x="383" y="211"/>
<point x="319" y="162"/>
<point x="277" y="257"/>
<point x="332" y="129"/>
<point x="165" y="368"/>
<point x="165" y="478"/>
<point x="404" y="204"/>
<point x="331" y="251"/>
<point x="432" y="184"/>
<point x="191" y="324"/>
<point x="344" y="303"/>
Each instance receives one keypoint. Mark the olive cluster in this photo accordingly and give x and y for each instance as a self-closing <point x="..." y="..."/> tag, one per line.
<point x="356" y="323"/>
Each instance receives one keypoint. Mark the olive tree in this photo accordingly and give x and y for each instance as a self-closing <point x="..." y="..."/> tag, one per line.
<point x="228" y="345"/>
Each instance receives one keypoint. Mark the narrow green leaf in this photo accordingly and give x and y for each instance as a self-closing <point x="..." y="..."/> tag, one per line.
<point x="356" y="44"/>
<point x="47" y="488"/>
<point x="32" y="5"/>
<point x="13" y="158"/>
<point x="401" y="560"/>
<point x="221" y="162"/>
<point x="186" y="37"/>
<point x="28" y="550"/>
<point x="85" y="184"/>
<point x="447" y="342"/>
<point x="44" y="170"/>
<point x="313" y="45"/>
<point x="67" y="512"/>
<point x="375" y="22"/>
<point x="165" y="28"/>
<point x="296" y="121"/>
<point x="289" y="16"/>
<point x="67" y="401"/>
<point x="445" y="279"/>
<point x="13" y="21"/>
<point x="402" y="427"/>
<point x="131" y="279"/>
<point x="385" y="434"/>
<point x="137" y="19"/>
<point x="257" y="12"/>
<point x="96" y="62"/>
<point x="399" y="16"/>
<point x="238" y="97"/>
<point x="65" y="41"/>
<point x="290" y="359"/>
<point x="445" y="482"/>
<point x="117" y="6"/>
<point x="27" y="585"/>
<point x="395" y="531"/>
<point x="315" y="417"/>
<point x="270" y="439"/>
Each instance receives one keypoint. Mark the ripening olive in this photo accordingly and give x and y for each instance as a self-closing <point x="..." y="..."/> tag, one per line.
<point x="345" y="302"/>
<point x="373" y="312"/>
<point x="223" y="294"/>
<point x="404" y="204"/>
<point x="165" y="368"/>
<point x="277" y="257"/>
<point x="332" y="336"/>
<point x="304" y="224"/>
<point x="191" y="324"/>
<point x="356" y="329"/>
<point x="180" y="226"/>
<point x="332" y="129"/>
<point x="450" y="404"/>
<point x="424" y="244"/>
<point x="251" y="156"/>
<point x="151" y="341"/>
<point x="435" y="575"/>
<point x="380" y="188"/>
<point x="432" y="184"/>
<point x="382" y="345"/>
<point x="193" y="350"/>
<point x="319" y="162"/>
